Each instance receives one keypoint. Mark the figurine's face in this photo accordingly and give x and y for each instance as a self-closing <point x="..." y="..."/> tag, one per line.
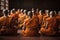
<point x="46" y="11"/>
<point x="29" y="13"/>
<point x="18" y="10"/>
<point x="21" y="10"/>
<point x="51" y="13"/>
<point x="40" y="12"/>
<point x="11" y="11"/>
<point x="24" y="11"/>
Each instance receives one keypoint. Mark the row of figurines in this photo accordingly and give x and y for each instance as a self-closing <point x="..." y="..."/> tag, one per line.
<point x="32" y="11"/>
<point x="35" y="22"/>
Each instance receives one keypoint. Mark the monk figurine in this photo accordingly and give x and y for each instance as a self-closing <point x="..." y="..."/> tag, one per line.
<point x="40" y="16"/>
<point x="58" y="21"/>
<point x="49" y="26"/>
<point x="31" y="26"/>
<point x="22" y="18"/>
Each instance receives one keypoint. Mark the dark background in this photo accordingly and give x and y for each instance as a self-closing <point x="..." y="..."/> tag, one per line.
<point x="41" y="4"/>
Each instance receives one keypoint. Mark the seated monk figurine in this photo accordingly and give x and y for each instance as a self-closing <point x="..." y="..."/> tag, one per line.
<point x="49" y="26"/>
<point x="31" y="26"/>
<point x="20" y="16"/>
<point x="37" y="11"/>
<point x="46" y="15"/>
<point x="58" y="21"/>
<point x="40" y="16"/>
<point x="21" y="19"/>
<point x="14" y="23"/>
<point x="2" y="21"/>
<point x="7" y="28"/>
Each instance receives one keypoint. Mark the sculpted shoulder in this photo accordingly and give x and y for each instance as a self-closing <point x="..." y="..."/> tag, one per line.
<point x="2" y="18"/>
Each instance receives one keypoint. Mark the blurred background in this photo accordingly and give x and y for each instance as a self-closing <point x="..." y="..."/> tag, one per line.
<point x="41" y="4"/>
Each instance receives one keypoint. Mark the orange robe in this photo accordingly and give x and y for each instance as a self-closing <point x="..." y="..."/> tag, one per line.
<point x="31" y="27"/>
<point x="21" y="19"/>
<point x="8" y="27"/>
<point x="40" y="17"/>
<point x="5" y="25"/>
<point x="51" y="27"/>
<point x="58" y="22"/>
<point x="2" y="23"/>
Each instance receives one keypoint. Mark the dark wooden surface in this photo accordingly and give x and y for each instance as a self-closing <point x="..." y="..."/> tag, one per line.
<point x="19" y="37"/>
